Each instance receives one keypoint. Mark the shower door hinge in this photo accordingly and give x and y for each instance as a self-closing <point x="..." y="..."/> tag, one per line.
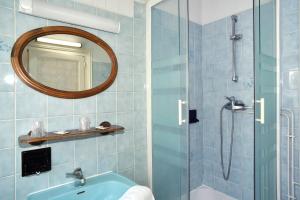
<point x="262" y="110"/>
<point x="180" y="105"/>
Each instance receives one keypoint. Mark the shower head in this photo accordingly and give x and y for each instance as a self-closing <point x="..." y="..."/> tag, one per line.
<point x="234" y="18"/>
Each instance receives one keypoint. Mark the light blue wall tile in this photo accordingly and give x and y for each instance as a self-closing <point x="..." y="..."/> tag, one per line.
<point x="124" y="101"/>
<point x="87" y="163"/>
<point x="85" y="106"/>
<point x="139" y="11"/>
<point x="125" y="45"/>
<point x="7" y="79"/>
<point x="26" y="185"/>
<point x="7" y="3"/>
<point x="125" y="82"/>
<point x="26" y="23"/>
<point x="7" y="187"/>
<point x="125" y="63"/>
<point x="58" y="107"/>
<point x="57" y="176"/>
<point x="7" y="134"/>
<point x="60" y="123"/>
<point x="108" y="162"/>
<point x="7" y="105"/>
<point x="129" y="173"/>
<point x="31" y="105"/>
<point x="107" y="145"/>
<point x="140" y="138"/>
<point x="125" y="160"/>
<point x="6" y="44"/>
<point x="62" y="152"/>
<point x="125" y="141"/>
<point x="107" y="102"/>
<point x="7" y="21"/>
<point x="126" y="120"/>
<point x="7" y="163"/>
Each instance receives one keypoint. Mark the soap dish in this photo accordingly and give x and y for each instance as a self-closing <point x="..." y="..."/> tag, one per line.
<point x="61" y="132"/>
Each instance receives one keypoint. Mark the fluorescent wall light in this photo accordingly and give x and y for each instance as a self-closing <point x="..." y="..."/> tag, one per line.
<point x="46" y="10"/>
<point x="59" y="42"/>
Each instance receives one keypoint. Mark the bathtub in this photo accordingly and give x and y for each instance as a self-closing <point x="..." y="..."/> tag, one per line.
<point x="206" y="193"/>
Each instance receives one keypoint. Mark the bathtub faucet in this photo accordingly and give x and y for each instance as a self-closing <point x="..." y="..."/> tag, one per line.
<point x="77" y="173"/>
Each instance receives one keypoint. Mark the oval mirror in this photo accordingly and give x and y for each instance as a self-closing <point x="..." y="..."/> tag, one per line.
<point x="64" y="62"/>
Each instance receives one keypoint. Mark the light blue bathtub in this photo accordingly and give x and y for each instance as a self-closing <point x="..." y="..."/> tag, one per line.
<point x="108" y="186"/>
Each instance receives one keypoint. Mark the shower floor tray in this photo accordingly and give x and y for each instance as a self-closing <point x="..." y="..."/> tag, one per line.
<point x="206" y="193"/>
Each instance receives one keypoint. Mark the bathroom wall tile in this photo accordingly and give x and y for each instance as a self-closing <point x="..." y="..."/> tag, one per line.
<point x="60" y="123"/>
<point x="139" y="28"/>
<point x="62" y="152"/>
<point x="126" y="24"/>
<point x="139" y="82"/>
<point x="7" y="21"/>
<point x="125" y="160"/>
<point x="139" y="64"/>
<point x="7" y="187"/>
<point x="57" y="175"/>
<point x="129" y="173"/>
<point x="125" y="45"/>
<point x="24" y="102"/>
<point x="125" y="141"/>
<point x="87" y="163"/>
<point x="125" y="120"/>
<point x="140" y="120"/>
<point x="58" y="107"/>
<point x="107" y="162"/>
<point x="6" y="44"/>
<point x="7" y="3"/>
<point x="139" y="11"/>
<point x="26" y="23"/>
<point x="7" y="105"/>
<point x="124" y="101"/>
<point x="139" y="46"/>
<point x="107" y="145"/>
<point x="85" y="106"/>
<point x="29" y="184"/>
<point x="125" y="82"/>
<point x="125" y="63"/>
<point x="7" y="134"/>
<point x="106" y="102"/>
<point x="7" y="164"/>
<point x="140" y="101"/>
<point x="7" y="79"/>
<point x="110" y="117"/>
<point x="140" y="138"/>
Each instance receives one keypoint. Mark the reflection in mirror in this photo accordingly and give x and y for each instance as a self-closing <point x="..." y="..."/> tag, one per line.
<point x="66" y="62"/>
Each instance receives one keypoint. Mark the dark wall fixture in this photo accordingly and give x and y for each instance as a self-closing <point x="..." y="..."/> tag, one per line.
<point x="193" y="116"/>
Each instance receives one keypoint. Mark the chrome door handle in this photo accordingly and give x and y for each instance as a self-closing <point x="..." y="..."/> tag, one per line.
<point x="180" y="105"/>
<point x="262" y="110"/>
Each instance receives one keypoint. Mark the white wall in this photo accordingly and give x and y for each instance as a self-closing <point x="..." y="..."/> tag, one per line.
<point x="206" y="11"/>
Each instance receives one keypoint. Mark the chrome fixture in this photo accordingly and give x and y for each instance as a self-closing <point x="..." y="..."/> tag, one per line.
<point x="77" y="173"/>
<point x="234" y="37"/>
<point x="233" y="105"/>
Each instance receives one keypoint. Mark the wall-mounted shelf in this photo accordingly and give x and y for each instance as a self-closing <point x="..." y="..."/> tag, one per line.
<point x="72" y="134"/>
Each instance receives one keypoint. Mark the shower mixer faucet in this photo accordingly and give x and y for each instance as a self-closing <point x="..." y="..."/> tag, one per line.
<point x="234" y="104"/>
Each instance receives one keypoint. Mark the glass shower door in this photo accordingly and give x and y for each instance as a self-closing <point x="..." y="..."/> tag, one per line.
<point x="169" y="93"/>
<point x="266" y="111"/>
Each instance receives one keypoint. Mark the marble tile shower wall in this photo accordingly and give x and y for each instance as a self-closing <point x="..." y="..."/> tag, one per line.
<point x="289" y="21"/>
<point x="216" y="83"/>
<point x="123" y="103"/>
<point x="195" y="102"/>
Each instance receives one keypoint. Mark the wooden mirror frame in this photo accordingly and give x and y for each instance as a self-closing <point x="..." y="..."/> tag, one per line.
<point x="22" y="42"/>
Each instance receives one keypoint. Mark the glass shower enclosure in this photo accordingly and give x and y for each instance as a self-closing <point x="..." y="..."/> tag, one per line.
<point x="168" y="108"/>
<point x="169" y="99"/>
